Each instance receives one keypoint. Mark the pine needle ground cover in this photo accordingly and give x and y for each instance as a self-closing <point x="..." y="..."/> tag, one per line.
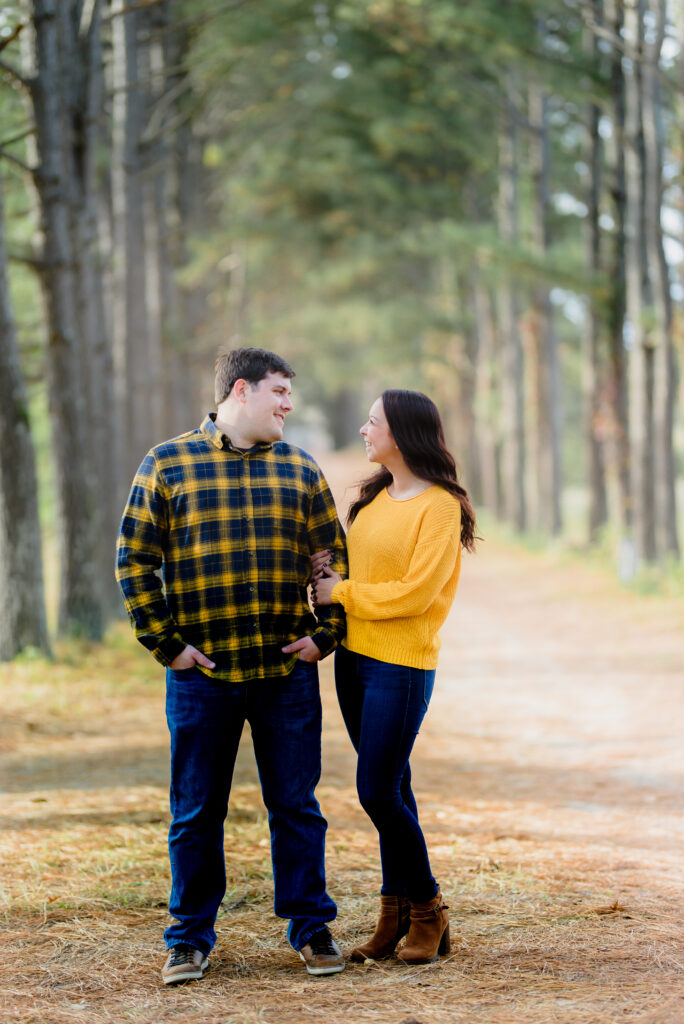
<point x="549" y="775"/>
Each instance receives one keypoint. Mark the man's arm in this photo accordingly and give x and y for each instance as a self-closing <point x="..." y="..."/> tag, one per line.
<point x="325" y="531"/>
<point x="140" y="552"/>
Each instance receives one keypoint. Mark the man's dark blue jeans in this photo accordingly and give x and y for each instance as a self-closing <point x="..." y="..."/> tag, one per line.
<point x="383" y="706"/>
<point x="205" y="719"/>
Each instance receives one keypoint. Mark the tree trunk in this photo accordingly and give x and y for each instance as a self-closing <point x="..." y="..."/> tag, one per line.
<point x="152" y="69"/>
<point x="486" y="394"/>
<point x="664" y="376"/>
<point x="462" y="354"/>
<point x="22" y="602"/>
<point x="618" y="384"/>
<point x="82" y="48"/>
<point x="512" y="389"/>
<point x="169" y="415"/>
<point x="544" y="369"/>
<point x="680" y="121"/>
<point x="591" y="356"/>
<point x="131" y="326"/>
<point x="79" y="607"/>
<point x="640" y="350"/>
<point x="192" y="214"/>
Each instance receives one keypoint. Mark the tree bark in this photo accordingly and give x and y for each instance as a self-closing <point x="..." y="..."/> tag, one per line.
<point x="512" y="388"/>
<point x="617" y="390"/>
<point x="664" y="375"/>
<point x="544" y="369"/>
<point x="593" y="380"/>
<point x="22" y="602"/>
<point x="79" y="605"/>
<point x="463" y="356"/>
<point x="131" y="325"/>
<point x="640" y="350"/>
<point x="486" y="394"/>
<point x="343" y="417"/>
<point x="165" y="324"/>
<point x="81" y="46"/>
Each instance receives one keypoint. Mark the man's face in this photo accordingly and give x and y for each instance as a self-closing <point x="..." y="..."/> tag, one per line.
<point x="266" y="406"/>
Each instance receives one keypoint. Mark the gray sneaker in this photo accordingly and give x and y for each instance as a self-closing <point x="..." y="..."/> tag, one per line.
<point x="321" y="954"/>
<point x="184" y="963"/>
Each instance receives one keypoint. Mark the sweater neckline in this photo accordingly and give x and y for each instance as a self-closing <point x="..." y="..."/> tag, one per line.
<point x="401" y="501"/>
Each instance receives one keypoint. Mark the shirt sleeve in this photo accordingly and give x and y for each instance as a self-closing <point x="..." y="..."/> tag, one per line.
<point x="325" y="531"/>
<point x="139" y="557"/>
<point x="431" y="567"/>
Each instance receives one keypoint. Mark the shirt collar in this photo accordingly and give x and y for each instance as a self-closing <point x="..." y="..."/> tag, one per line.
<point x="219" y="440"/>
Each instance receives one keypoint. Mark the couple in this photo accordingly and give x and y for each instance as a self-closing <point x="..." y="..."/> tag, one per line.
<point x="239" y="522"/>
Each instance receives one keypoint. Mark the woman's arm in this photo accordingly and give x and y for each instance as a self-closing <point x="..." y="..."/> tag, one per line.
<point x="431" y="566"/>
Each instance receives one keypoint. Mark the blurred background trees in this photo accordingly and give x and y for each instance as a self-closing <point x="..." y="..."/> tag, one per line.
<point x="483" y="201"/>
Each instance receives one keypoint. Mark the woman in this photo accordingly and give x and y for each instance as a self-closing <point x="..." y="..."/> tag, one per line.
<point x="407" y="527"/>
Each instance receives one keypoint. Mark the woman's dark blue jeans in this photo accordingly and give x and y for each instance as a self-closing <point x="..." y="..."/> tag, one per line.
<point x="383" y="706"/>
<point x="205" y="719"/>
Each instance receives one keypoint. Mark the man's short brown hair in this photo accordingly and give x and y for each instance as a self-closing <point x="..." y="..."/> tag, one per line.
<point x="250" y="364"/>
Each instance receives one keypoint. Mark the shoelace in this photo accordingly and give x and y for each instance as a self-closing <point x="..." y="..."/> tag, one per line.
<point x="322" y="942"/>
<point x="181" y="955"/>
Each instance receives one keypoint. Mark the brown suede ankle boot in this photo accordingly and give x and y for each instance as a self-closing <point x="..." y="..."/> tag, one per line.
<point x="392" y="925"/>
<point x="429" y="932"/>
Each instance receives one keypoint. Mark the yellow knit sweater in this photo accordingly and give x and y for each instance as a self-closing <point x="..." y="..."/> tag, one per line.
<point x="404" y="564"/>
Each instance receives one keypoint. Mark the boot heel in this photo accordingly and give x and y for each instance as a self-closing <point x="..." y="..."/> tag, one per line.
<point x="445" y="943"/>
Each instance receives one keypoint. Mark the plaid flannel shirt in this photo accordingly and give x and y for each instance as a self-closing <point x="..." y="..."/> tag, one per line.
<point x="232" y="532"/>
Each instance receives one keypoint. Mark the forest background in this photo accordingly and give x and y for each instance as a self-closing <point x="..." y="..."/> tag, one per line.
<point x="484" y="201"/>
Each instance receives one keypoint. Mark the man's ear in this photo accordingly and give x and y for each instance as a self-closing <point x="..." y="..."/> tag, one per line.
<point x="240" y="389"/>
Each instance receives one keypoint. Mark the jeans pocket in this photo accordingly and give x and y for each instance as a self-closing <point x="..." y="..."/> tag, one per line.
<point x="428" y="686"/>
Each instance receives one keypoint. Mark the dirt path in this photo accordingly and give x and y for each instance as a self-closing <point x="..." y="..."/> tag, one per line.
<point x="549" y="774"/>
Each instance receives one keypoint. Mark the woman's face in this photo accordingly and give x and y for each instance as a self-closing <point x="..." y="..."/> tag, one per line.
<point x="376" y="433"/>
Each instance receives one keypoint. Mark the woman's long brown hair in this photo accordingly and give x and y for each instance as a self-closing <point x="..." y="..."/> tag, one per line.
<point x="416" y="427"/>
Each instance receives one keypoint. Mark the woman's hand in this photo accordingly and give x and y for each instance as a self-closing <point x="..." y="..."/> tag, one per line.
<point x="319" y="560"/>
<point x="323" y="585"/>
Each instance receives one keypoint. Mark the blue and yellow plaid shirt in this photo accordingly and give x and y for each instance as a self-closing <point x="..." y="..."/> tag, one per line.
<point x="232" y="532"/>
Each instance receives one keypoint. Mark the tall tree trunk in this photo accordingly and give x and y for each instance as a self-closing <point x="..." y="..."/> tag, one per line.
<point x="194" y="210"/>
<point x="79" y="607"/>
<point x="182" y="310"/>
<point x="153" y="152"/>
<point x="131" y="326"/>
<point x="641" y="352"/>
<point x="680" y="142"/>
<point x="80" y="42"/>
<point x="462" y="351"/>
<point x="591" y="357"/>
<point x="664" y="376"/>
<point x="544" y="370"/>
<point x="343" y="416"/>
<point x="512" y="388"/>
<point x="486" y="393"/>
<point x="22" y="602"/>
<point x="168" y="83"/>
<point x="616" y="306"/>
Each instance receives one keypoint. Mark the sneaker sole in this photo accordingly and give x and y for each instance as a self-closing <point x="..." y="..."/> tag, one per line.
<point x="322" y="970"/>
<point x="193" y="975"/>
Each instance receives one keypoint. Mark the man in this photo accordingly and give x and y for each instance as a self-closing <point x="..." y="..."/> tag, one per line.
<point x="231" y="514"/>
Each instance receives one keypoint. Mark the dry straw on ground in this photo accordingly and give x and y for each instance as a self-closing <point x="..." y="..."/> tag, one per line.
<point x="550" y="792"/>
